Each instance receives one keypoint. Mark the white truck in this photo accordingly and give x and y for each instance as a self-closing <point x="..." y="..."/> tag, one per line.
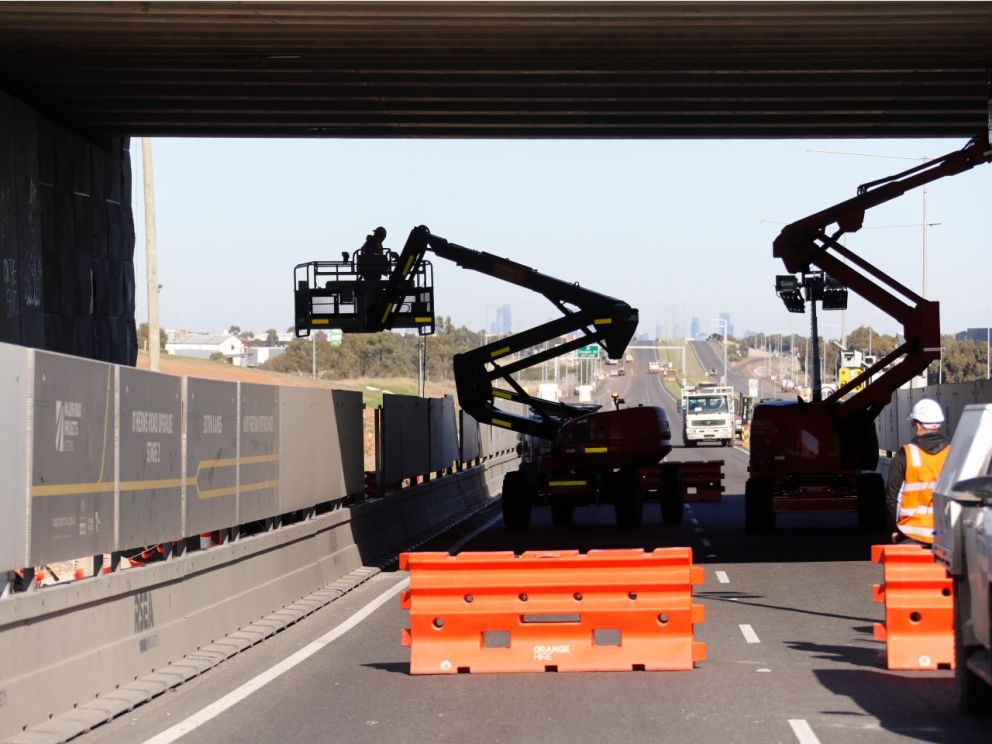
<point x="708" y="414"/>
<point x="963" y="544"/>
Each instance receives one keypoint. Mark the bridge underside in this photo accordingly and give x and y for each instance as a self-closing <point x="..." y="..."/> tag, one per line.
<point x="569" y="69"/>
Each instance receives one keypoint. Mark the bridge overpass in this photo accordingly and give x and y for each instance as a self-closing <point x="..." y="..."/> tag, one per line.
<point x="788" y="615"/>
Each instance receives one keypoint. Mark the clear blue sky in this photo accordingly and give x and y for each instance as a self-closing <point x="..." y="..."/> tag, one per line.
<point x="676" y="228"/>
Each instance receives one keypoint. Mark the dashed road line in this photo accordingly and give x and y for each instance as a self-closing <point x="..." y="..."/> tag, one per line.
<point x="706" y="543"/>
<point x="803" y="731"/>
<point x="722" y="577"/>
<point x="749" y="635"/>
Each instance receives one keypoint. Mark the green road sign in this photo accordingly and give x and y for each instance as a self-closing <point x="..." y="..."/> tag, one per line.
<point x="334" y="336"/>
<point x="588" y="352"/>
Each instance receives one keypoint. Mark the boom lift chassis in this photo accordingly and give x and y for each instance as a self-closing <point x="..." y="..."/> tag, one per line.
<point x="819" y="456"/>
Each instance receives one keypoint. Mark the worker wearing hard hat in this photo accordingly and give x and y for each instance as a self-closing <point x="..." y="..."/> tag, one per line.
<point x="913" y="475"/>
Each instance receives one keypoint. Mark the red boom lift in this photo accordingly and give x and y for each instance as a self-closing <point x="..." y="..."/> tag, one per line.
<point x="593" y="456"/>
<point x="821" y="455"/>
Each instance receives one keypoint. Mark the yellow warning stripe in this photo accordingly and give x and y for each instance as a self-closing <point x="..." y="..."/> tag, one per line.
<point x="500" y="422"/>
<point x="409" y="263"/>
<point x="603" y="321"/>
<point x="554" y="484"/>
<point x="499" y="352"/>
<point x="320" y="321"/>
<point x="66" y="489"/>
<point x="422" y="319"/>
<point x="596" y="450"/>
<point x="502" y="394"/>
<point x="389" y="309"/>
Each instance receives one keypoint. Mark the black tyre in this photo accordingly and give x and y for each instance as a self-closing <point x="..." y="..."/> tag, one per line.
<point x="974" y="696"/>
<point x="871" y="502"/>
<point x="515" y="503"/>
<point x="758" y="514"/>
<point x="670" y="494"/>
<point x="628" y="498"/>
<point x="562" y="510"/>
<point x="689" y="442"/>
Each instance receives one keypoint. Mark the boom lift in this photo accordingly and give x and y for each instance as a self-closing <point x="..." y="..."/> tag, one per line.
<point x="821" y="455"/>
<point x="593" y="456"/>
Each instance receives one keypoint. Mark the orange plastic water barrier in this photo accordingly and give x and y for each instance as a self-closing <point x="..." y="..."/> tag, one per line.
<point x="919" y="608"/>
<point x="605" y="610"/>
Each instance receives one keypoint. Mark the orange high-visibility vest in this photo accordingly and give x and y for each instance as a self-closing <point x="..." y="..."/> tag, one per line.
<point x="915" y="516"/>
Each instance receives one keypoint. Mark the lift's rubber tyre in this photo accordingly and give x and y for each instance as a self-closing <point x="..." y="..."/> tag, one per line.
<point x="758" y="514"/>
<point x="670" y="494"/>
<point x="562" y="511"/>
<point x="871" y="502"/>
<point x="974" y="696"/>
<point x="628" y="498"/>
<point x="515" y="503"/>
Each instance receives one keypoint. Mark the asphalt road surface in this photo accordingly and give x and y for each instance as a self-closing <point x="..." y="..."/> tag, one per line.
<point x="788" y="632"/>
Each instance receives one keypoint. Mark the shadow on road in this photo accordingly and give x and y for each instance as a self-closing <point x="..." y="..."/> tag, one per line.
<point x="917" y="705"/>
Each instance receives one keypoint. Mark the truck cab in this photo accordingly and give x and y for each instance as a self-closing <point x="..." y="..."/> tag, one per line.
<point x="963" y="544"/>
<point x="708" y="415"/>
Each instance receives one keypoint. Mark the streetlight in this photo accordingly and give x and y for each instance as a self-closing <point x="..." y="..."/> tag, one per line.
<point x="723" y="323"/>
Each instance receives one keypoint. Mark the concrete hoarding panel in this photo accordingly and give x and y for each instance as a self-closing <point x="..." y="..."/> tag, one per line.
<point x="893" y="424"/>
<point x="258" y="458"/>
<point x="211" y="455"/>
<point x="72" y="485"/>
<point x="309" y="452"/>
<point x="15" y="393"/>
<point x="469" y="438"/>
<point x="443" y="440"/>
<point x="150" y="506"/>
<point x="405" y="430"/>
<point x="350" y="423"/>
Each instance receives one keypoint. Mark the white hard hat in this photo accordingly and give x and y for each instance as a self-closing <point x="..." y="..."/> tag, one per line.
<point x="927" y="411"/>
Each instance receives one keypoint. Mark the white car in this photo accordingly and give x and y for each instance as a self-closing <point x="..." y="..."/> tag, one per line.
<point x="963" y="543"/>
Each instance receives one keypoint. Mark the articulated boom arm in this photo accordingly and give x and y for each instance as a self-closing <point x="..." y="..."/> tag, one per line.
<point x="350" y="296"/>
<point x="806" y="243"/>
<point x="594" y="317"/>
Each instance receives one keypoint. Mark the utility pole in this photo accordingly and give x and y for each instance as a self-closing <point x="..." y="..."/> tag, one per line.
<point x="151" y="257"/>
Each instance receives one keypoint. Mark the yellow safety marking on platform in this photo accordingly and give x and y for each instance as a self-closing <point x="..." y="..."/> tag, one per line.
<point x="603" y="321"/>
<point x="423" y="319"/>
<point x="502" y="394"/>
<point x="500" y="422"/>
<point x="320" y="321"/>
<point x="409" y="262"/>
<point x="499" y="352"/>
<point x="596" y="450"/>
<point x="558" y="484"/>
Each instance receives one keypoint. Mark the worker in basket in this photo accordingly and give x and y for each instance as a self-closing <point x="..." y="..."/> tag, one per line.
<point x="913" y="475"/>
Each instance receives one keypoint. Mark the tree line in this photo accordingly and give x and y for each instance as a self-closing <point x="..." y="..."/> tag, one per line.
<point x="378" y="355"/>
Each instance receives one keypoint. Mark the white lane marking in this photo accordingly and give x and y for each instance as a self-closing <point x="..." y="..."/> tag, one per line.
<point x="706" y="543"/>
<point x="749" y="635"/>
<point x="763" y="669"/>
<point x="259" y="681"/>
<point x="256" y="683"/>
<point x="803" y="731"/>
<point x="722" y="577"/>
<point x="694" y="520"/>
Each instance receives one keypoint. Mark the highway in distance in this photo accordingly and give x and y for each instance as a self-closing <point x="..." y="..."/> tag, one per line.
<point x="788" y="632"/>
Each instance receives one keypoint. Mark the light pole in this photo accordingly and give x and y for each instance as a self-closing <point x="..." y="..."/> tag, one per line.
<point x="723" y="323"/>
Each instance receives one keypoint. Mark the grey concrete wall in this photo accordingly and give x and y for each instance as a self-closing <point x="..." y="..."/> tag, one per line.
<point x="69" y="643"/>
<point x="893" y="426"/>
<point x="66" y="239"/>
